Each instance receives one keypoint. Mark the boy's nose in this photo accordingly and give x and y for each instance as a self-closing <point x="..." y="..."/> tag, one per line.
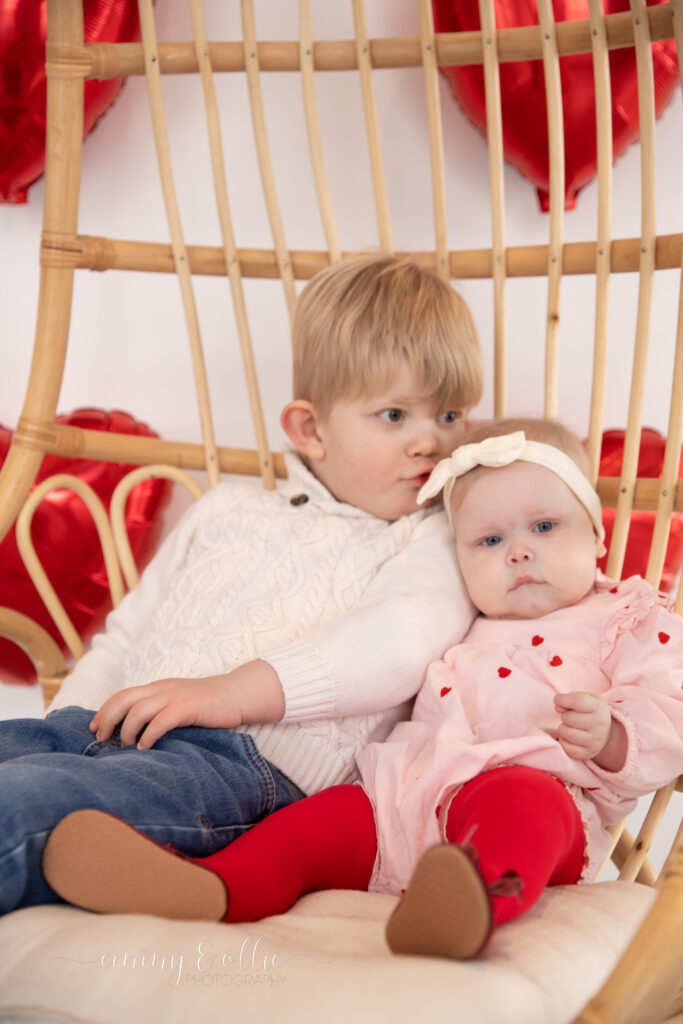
<point x="424" y="442"/>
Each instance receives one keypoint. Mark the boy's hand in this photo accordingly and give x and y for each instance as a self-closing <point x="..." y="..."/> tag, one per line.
<point x="251" y="693"/>
<point x="588" y="731"/>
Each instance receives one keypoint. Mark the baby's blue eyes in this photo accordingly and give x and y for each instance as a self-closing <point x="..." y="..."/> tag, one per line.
<point x="545" y="526"/>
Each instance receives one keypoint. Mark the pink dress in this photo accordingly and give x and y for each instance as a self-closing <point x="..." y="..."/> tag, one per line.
<point x="489" y="702"/>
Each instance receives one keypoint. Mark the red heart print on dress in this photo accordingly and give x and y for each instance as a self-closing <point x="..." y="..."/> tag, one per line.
<point x="504" y="672"/>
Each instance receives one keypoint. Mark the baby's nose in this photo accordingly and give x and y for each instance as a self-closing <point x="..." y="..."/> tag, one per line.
<point x="520" y="552"/>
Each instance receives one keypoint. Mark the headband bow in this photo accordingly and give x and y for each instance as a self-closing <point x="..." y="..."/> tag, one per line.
<point x="496" y="452"/>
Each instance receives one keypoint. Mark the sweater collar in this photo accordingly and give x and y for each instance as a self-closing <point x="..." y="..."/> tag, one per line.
<point x="300" y="480"/>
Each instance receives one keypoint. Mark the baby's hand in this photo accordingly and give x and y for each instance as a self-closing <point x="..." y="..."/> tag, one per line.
<point x="586" y="724"/>
<point x="248" y="694"/>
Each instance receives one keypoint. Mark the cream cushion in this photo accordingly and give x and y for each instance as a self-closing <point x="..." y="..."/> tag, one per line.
<point x="324" y="960"/>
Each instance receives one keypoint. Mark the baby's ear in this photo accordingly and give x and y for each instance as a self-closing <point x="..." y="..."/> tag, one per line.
<point x="299" y="421"/>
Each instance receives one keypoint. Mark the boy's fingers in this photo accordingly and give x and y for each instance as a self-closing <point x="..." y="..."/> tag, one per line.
<point x="107" y="717"/>
<point x="112" y="715"/>
<point x="104" y="726"/>
<point x="168" y="718"/>
<point x="114" y="710"/>
<point x="139" y="715"/>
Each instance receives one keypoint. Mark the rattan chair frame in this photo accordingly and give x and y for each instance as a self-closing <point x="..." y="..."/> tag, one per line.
<point x="645" y="985"/>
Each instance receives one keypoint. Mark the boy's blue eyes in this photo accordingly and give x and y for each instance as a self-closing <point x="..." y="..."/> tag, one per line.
<point x="396" y="415"/>
<point x="490" y="542"/>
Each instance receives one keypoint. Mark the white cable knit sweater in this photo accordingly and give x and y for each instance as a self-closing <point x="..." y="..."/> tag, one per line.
<point x="347" y="608"/>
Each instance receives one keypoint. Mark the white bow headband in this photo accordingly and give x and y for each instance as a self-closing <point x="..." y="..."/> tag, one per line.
<point x="495" y="452"/>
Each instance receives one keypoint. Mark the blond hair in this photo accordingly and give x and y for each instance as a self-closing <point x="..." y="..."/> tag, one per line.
<point x="535" y="429"/>
<point x="357" y="320"/>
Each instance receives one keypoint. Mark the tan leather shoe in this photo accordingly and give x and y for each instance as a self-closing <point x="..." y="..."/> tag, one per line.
<point x="446" y="910"/>
<point x="98" y="862"/>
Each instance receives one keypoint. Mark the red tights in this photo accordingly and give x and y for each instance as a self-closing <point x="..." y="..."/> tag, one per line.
<point x="523" y="821"/>
<point x="517" y="819"/>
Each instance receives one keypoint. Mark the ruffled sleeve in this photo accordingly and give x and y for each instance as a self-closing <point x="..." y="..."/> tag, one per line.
<point x="634" y="602"/>
<point x="642" y="653"/>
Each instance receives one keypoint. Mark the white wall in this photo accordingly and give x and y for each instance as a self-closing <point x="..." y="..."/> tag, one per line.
<point x="127" y="347"/>
<point x="128" y="333"/>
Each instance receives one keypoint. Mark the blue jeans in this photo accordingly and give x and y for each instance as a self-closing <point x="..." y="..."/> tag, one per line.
<point x="197" y="789"/>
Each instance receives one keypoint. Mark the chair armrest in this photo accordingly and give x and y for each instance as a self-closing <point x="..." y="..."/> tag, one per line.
<point x="37" y="643"/>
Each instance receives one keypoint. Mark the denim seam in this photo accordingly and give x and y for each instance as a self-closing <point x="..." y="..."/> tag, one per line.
<point x="259" y="764"/>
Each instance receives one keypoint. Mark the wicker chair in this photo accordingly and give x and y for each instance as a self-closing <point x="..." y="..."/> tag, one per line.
<point x="45" y="950"/>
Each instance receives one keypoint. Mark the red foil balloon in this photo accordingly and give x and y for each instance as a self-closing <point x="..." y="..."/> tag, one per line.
<point x="66" y="540"/>
<point x="23" y="27"/>
<point x="650" y="462"/>
<point x="522" y="87"/>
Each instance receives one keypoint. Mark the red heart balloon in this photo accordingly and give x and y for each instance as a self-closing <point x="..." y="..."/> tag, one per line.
<point x="522" y="87"/>
<point x="23" y="25"/>
<point x="642" y="524"/>
<point x="66" y="540"/>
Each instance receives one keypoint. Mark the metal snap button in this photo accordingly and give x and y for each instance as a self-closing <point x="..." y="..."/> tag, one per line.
<point x="298" y="499"/>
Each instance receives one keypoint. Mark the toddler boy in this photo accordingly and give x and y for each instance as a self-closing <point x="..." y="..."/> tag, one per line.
<point x="274" y="633"/>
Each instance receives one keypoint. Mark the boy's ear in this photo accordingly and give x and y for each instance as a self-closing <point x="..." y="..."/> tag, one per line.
<point x="300" y="420"/>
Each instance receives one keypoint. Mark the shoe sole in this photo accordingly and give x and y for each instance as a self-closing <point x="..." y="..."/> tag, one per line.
<point x="446" y="909"/>
<point x="101" y="863"/>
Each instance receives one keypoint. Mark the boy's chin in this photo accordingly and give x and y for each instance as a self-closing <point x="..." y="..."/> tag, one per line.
<point x="392" y="513"/>
<point x="431" y="502"/>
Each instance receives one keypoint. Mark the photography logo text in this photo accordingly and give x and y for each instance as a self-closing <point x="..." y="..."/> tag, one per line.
<point x="250" y="964"/>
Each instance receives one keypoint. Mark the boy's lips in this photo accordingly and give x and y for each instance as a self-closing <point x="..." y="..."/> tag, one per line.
<point x="419" y="479"/>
